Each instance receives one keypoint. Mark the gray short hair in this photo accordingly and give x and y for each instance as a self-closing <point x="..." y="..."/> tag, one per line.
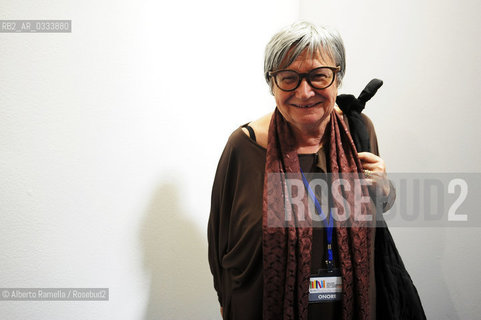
<point x="299" y="36"/>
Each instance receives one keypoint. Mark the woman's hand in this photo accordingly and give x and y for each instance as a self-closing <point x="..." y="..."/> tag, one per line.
<point x="375" y="171"/>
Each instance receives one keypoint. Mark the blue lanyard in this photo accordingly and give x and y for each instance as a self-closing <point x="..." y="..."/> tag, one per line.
<point x="329" y="225"/>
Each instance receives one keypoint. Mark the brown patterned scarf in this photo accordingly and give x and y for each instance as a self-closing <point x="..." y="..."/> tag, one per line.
<point x="287" y="249"/>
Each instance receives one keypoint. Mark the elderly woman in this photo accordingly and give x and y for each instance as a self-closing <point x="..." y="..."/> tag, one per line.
<point x="262" y="271"/>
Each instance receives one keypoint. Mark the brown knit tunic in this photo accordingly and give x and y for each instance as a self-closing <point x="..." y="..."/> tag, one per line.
<point x="235" y="228"/>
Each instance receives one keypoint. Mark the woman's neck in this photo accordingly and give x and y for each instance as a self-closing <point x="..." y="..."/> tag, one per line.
<point x="310" y="139"/>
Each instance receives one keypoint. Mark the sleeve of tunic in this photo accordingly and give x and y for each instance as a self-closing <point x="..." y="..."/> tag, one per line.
<point x="389" y="201"/>
<point x="219" y="218"/>
<point x="235" y="227"/>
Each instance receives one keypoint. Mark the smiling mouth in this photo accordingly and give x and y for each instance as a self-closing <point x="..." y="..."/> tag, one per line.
<point x="305" y="106"/>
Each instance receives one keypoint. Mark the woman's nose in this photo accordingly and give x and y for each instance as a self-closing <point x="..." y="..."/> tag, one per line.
<point x="304" y="91"/>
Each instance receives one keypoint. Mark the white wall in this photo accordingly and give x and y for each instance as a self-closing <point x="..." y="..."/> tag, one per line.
<point x="109" y="150"/>
<point x="110" y="136"/>
<point x="426" y="117"/>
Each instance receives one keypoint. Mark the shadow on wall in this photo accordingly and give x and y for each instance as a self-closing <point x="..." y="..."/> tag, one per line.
<point x="441" y="305"/>
<point x="175" y="257"/>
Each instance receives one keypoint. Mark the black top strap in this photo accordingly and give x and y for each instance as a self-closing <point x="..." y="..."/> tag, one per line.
<point x="251" y="132"/>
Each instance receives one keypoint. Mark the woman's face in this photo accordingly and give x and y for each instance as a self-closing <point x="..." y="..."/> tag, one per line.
<point x="307" y="108"/>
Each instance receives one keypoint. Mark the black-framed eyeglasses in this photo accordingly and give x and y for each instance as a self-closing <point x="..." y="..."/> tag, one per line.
<point x="318" y="78"/>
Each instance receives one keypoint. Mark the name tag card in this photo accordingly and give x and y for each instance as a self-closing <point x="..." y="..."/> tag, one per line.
<point x="325" y="289"/>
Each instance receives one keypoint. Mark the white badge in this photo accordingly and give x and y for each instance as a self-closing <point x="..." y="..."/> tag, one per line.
<point x="325" y="289"/>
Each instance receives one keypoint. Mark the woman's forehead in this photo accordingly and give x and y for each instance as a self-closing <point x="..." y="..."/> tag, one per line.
<point x="308" y="58"/>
